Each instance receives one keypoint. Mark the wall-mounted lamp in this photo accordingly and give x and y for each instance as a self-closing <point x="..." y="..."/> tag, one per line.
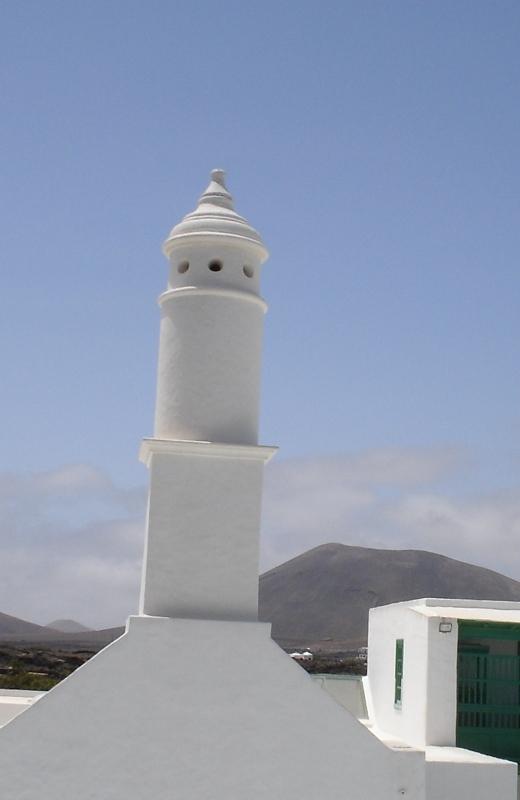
<point x="445" y="627"/>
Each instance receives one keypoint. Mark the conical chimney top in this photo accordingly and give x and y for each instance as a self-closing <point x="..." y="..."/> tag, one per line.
<point x="215" y="216"/>
<point x="216" y="193"/>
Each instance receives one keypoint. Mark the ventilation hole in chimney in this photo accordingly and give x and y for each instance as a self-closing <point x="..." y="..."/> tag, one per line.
<point x="215" y="266"/>
<point x="183" y="267"/>
<point x="248" y="271"/>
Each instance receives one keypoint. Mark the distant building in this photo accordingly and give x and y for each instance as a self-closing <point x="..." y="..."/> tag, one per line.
<point x="362" y="653"/>
<point x="305" y="656"/>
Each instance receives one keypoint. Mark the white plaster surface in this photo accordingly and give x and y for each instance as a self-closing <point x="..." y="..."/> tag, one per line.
<point x="206" y="469"/>
<point x="475" y="611"/>
<point x="210" y="348"/>
<point x="464" y="608"/>
<point x="14" y="701"/>
<point x="209" y="367"/>
<point x="347" y="690"/>
<point x="152" y="716"/>
<point x="427" y="714"/>
<point x="215" y="218"/>
<point x="452" y="772"/>
<point x="408" y="721"/>
<point x="201" y="555"/>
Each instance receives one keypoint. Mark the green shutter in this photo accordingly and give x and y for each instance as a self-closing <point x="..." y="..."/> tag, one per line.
<point x="477" y="629"/>
<point x="488" y="689"/>
<point x="399" y="658"/>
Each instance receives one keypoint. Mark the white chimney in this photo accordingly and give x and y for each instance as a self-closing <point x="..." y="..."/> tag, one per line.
<point x="206" y="469"/>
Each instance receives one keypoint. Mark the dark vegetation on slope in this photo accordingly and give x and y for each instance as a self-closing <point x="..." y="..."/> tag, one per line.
<point x="36" y="668"/>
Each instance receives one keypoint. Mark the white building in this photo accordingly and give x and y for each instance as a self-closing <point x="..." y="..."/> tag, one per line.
<point x="443" y="673"/>
<point x="444" y="679"/>
<point x="151" y="716"/>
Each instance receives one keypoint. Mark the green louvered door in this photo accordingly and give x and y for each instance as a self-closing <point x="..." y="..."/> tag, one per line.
<point x="488" y="688"/>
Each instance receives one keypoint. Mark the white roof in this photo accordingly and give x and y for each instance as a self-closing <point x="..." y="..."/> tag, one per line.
<point x="485" y="610"/>
<point x="14" y="700"/>
<point x="11" y="695"/>
<point x="483" y="614"/>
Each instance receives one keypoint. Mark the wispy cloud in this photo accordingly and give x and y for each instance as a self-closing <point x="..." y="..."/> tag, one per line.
<point x="70" y="545"/>
<point x="389" y="499"/>
<point x="71" y="540"/>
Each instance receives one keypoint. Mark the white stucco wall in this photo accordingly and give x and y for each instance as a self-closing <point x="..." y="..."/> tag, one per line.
<point x="441" y="692"/>
<point x="201" y="556"/>
<point x="427" y="714"/>
<point x="386" y="624"/>
<point x="209" y="368"/>
<point x="461" y="774"/>
<point x="233" y="255"/>
<point x="347" y="690"/>
<point x="211" y="325"/>
<point x="152" y="716"/>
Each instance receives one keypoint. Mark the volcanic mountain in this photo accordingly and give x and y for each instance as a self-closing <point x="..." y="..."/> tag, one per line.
<point x="67" y="626"/>
<point x="14" y="626"/>
<point x="322" y="597"/>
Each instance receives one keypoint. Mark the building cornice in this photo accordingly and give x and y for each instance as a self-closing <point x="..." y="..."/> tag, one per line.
<point x="151" y="446"/>
<point x="216" y="291"/>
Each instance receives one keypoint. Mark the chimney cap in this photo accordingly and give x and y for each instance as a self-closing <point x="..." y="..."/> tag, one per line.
<point x="215" y="216"/>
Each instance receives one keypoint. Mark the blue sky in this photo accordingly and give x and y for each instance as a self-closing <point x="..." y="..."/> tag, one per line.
<point x="376" y="147"/>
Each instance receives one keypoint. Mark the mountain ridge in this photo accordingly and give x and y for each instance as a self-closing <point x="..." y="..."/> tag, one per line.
<point x="67" y="626"/>
<point x="324" y="594"/>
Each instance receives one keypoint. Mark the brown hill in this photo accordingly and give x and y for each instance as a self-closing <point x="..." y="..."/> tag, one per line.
<point x="48" y="637"/>
<point x="14" y="626"/>
<point x="19" y="631"/>
<point x="323" y="596"/>
<point x="67" y="626"/>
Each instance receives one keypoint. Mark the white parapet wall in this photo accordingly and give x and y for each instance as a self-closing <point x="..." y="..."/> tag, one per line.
<point x="347" y="690"/>
<point x="454" y="772"/>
